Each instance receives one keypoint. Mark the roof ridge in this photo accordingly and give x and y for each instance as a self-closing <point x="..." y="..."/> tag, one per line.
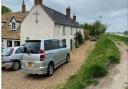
<point x="57" y="11"/>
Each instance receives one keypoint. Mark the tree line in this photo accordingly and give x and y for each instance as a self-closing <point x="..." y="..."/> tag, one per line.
<point x="94" y="30"/>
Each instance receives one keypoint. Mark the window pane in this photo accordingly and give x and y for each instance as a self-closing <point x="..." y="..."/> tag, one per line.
<point x="48" y="45"/>
<point x="17" y="43"/>
<point x="9" y="43"/>
<point x="33" y="46"/>
<point x="55" y="44"/>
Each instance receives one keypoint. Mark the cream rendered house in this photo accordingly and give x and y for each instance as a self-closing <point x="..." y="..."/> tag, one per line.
<point x="44" y="22"/>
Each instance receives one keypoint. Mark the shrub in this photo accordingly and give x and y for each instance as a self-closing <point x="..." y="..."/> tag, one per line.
<point x="113" y="59"/>
<point x="96" y="70"/>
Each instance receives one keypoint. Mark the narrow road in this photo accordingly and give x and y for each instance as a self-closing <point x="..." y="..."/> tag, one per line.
<point x="118" y="75"/>
<point x="20" y="80"/>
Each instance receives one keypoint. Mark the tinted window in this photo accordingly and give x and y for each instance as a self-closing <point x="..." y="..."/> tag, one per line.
<point x="61" y="44"/>
<point x="55" y="44"/>
<point x="33" y="46"/>
<point x="48" y="44"/>
<point x="19" y="50"/>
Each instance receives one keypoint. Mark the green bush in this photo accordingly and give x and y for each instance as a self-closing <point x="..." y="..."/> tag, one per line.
<point x="96" y="70"/>
<point x="113" y="59"/>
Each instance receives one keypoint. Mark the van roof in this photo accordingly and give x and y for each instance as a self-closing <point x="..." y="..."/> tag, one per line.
<point x="40" y="40"/>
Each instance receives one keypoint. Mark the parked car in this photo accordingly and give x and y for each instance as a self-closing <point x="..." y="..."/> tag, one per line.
<point x="93" y="39"/>
<point x="43" y="56"/>
<point x="11" y="57"/>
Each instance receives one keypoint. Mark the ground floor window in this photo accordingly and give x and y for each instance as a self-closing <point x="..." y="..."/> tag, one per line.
<point x="9" y="43"/>
<point x="16" y="43"/>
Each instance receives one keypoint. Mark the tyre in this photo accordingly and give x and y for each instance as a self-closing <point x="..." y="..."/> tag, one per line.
<point x="67" y="58"/>
<point x="50" y="70"/>
<point x="16" y="65"/>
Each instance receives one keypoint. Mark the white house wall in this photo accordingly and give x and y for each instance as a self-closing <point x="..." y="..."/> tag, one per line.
<point x="68" y="36"/>
<point x="36" y="31"/>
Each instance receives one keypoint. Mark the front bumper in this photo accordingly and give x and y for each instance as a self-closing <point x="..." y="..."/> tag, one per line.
<point x="40" y="70"/>
<point x="7" y="64"/>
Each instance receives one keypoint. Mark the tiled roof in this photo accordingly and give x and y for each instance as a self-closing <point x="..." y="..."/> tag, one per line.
<point x="6" y="30"/>
<point x="19" y="16"/>
<point x="60" y="18"/>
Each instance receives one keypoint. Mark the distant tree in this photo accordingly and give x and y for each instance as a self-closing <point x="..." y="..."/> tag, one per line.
<point x="5" y="9"/>
<point x="126" y="32"/>
<point x="94" y="29"/>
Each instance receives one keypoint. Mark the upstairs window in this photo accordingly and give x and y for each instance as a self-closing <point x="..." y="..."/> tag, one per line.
<point x="71" y="31"/>
<point x="63" y="30"/>
<point x="13" y="26"/>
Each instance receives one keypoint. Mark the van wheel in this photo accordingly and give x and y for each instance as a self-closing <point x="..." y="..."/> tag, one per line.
<point x="67" y="58"/>
<point x="50" y="69"/>
<point x="16" y="65"/>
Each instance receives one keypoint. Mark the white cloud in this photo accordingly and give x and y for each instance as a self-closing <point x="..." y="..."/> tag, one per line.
<point x="113" y="12"/>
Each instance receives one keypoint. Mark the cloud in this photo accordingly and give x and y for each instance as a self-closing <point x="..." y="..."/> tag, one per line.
<point x="114" y="12"/>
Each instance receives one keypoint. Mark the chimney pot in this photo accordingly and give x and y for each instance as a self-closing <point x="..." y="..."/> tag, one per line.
<point x="68" y="12"/>
<point x="74" y="18"/>
<point x="38" y="2"/>
<point x="23" y="7"/>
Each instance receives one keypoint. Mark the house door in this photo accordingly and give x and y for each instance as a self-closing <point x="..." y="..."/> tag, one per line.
<point x="71" y="44"/>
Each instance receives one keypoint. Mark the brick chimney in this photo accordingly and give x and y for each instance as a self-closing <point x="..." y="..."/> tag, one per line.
<point x="74" y="17"/>
<point x="23" y="7"/>
<point x="68" y="12"/>
<point x="38" y="2"/>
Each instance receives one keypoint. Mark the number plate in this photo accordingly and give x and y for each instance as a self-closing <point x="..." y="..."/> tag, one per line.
<point x="30" y="64"/>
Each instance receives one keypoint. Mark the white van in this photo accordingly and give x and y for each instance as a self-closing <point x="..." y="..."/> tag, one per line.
<point x="43" y="56"/>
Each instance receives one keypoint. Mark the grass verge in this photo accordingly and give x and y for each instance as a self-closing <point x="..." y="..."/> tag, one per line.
<point x="96" y="64"/>
<point x="119" y="38"/>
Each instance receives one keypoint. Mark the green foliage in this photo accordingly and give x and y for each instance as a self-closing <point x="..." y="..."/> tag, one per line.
<point x="119" y="38"/>
<point x="79" y="38"/>
<point x="95" y="65"/>
<point x="5" y="9"/>
<point x="126" y="32"/>
<point x="95" y="29"/>
<point x="96" y="70"/>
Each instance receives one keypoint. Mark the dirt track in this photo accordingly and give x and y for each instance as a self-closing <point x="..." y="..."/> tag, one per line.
<point x="118" y="74"/>
<point x="19" y="80"/>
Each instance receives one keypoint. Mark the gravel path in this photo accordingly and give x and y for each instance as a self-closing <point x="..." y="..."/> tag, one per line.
<point x="118" y="75"/>
<point x="19" y="80"/>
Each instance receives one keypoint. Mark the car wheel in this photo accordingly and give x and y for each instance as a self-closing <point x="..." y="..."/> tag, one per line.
<point x="16" y="66"/>
<point x="67" y="58"/>
<point x="50" y="69"/>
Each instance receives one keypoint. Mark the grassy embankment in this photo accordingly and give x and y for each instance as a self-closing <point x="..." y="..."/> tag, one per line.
<point x="96" y="64"/>
<point x="119" y="38"/>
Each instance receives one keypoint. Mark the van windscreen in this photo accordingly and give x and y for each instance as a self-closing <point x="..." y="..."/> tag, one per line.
<point x="33" y="46"/>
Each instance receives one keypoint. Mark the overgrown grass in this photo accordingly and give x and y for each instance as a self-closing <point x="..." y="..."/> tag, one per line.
<point x="96" y="64"/>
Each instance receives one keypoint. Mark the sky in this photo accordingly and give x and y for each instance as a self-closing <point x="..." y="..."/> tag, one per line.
<point x="113" y="13"/>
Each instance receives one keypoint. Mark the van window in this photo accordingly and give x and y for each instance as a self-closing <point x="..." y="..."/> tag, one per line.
<point x="33" y="46"/>
<point x="19" y="50"/>
<point x="48" y="44"/>
<point x="55" y="44"/>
